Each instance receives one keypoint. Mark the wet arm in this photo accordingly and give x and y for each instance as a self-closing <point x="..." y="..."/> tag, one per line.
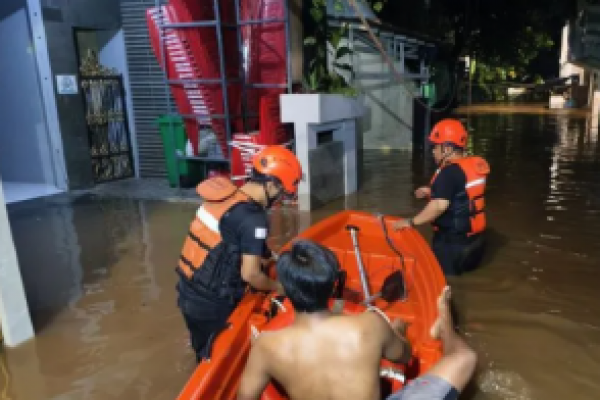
<point x="396" y="348"/>
<point x="255" y="376"/>
<point x="432" y="211"/>
<point x="253" y="247"/>
<point x="252" y="273"/>
<point x="269" y="256"/>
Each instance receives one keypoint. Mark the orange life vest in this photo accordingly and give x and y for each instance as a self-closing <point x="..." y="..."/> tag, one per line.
<point x="206" y="262"/>
<point x="467" y="207"/>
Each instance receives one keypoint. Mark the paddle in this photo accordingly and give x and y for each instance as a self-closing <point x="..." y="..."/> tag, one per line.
<point x="392" y="289"/>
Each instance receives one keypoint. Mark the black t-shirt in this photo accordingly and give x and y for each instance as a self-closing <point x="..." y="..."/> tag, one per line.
<point x="450" y="181"/>
<point x="246" y="224"/>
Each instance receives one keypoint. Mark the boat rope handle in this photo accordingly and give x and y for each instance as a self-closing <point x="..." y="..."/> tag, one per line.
<point x="278" y="304"/>
<point x="381" y="313"/>
<point x="392" y="373"/>
<point x="381" y="218"/>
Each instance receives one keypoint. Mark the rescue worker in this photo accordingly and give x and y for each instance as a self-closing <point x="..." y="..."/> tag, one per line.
<point x="456" y="205"/>
<point x="226" y="244"/>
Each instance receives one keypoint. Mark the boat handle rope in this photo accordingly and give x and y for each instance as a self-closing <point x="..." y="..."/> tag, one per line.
<point x="278" y="304"/>
<point x="392" y="373"/>
<point x="381" y="219"/>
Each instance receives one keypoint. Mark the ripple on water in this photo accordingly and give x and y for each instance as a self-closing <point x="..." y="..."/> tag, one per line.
<point x="503" y="384"/>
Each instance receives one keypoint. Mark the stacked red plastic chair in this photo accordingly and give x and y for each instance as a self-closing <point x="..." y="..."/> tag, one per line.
<point x="193" y="53"/>
<point x="180" y="64"/>
<point x="266" y="48"/>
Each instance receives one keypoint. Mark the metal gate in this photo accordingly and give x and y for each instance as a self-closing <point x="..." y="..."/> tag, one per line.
<point x="108" y="130"/>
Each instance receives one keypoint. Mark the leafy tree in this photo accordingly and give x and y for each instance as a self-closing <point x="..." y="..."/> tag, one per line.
<point x="503" y="35"/>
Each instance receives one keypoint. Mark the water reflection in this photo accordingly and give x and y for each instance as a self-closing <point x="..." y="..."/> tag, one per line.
<point x="94" y="285"/>
<point x="100" y="280"/>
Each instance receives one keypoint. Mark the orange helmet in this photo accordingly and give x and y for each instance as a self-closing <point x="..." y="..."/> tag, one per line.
<point x="449" y="131"/>
<point x="278" y="162"/>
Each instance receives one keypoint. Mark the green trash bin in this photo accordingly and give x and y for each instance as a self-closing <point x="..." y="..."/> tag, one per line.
<point x="186" y="173"/>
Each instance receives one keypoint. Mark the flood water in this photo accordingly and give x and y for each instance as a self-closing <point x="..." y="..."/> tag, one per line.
<point x="100" y="279"/>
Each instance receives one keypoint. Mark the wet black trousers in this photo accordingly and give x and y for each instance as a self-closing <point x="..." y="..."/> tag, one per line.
<point x="458" y="254"/>
<point x="203" y="332"/>
<point x="204" y="316"/>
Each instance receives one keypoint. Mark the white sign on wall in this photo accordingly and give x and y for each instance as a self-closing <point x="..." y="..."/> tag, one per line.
<point x="66" y="84"/>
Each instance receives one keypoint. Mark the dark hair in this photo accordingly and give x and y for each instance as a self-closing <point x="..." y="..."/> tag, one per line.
<point x="308" y="273"/>
<point x="258" y="177"/>
<point x="453" y="146"/>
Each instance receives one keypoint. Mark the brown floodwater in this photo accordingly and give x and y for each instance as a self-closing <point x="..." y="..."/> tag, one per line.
<point x="100" y="281"/>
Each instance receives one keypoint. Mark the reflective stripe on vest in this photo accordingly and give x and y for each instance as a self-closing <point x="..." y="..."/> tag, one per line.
<point x="208" y="219"/>
<point x="476" y="182"/>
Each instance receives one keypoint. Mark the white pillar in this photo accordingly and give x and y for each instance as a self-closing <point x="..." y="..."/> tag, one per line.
<point x="42" y="56"/>
<point x="314" y="113"/>
<point x="305" y="140"/>
<point x="595" y="110"/>
<point x="347" y="134"/>
<point x="14" y="312"/>
<point x="565" y="67"/>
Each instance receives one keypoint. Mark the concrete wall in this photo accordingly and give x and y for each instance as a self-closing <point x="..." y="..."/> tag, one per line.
<point x="60" y="19"/>
<point x="388" y="121"/>
<point x="24" y="143"/>
<point x="326" y="173"/>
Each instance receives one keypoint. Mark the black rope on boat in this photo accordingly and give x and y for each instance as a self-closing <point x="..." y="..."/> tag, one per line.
<point x="398" y="252"/>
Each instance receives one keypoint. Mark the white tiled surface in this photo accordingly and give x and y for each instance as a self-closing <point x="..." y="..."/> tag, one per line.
<point x="16" y="191"/>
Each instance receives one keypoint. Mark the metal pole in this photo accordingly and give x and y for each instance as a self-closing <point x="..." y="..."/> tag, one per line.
<point x="224" y="85"/>
<point x="286" y="12"/>
<point x="240" y="41"/>
<point x="470" y="81"/>
<point x="351" y="46"/>
<point x="427" y="113"/>
<point x="361" y="267"/>
<point x="161" y="42"/>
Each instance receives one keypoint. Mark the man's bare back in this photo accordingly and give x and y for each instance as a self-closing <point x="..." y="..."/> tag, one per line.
<point x="328" y="356"/>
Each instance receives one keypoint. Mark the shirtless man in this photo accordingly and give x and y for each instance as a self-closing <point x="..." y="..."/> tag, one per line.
<point x="327" y="356"/>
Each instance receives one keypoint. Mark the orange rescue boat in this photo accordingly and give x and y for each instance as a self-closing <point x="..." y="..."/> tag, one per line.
<point x="402" y="259"/>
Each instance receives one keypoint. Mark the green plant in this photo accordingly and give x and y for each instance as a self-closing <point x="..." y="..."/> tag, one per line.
<point x="319" y="77"/>
<point x="327" y="42"/>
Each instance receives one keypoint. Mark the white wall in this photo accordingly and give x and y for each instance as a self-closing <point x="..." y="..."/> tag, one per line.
<point x="24" y="143"/>
<point x="15" y="320"/>
<point x="112" y="54"/>
<point x="565" y="67"/>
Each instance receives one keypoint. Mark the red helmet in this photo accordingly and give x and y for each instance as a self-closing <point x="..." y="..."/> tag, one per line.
<point x="280" y="163"/>
<point x="449" y="131"/>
